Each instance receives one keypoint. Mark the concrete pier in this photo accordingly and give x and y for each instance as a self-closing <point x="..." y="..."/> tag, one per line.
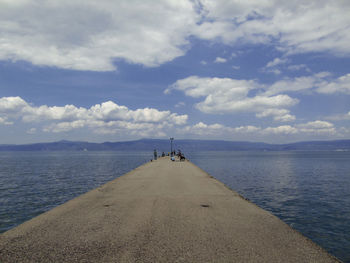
<point x="162" y="211"/>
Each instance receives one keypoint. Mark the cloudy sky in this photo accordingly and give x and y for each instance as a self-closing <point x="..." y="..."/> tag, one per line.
<point x="258" y="70"/>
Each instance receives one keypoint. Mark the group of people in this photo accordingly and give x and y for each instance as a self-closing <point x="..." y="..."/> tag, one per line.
<point x="179" y="154"/>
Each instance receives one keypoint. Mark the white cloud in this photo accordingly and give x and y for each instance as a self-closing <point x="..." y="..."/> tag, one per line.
<point x="317" y="127"/>
<point x="285" y="118"/>
<point x="3" y="121"/>
<point x="321" y="82"/>
<point x="202" y="125"/>
<point x="107" y="117"/>
<point x="217" y="103"/>
<point x="65" y="126"/>
<point x="285" y="129"/>
<point x="220" y="60"/>
<point x="236" y="67"/>
<point x="339" y="117"/>
<point x="278" y="114"/>
<point x="275" y="71"/>
<point x="178" y="119"/>
<point x="88" y="35"/>
<point x="288" y="84"/>
<point x="271" y="67"/>
<point x="298" y="84"/>
<point x="225" y="95"/>
<point x="36" y="114"/>
<point x="292" y="26"/>
<point x="180" y="104"/>
<point x="31" y="131"/>
<point x="11" y="104"/>
<point x="275" y="62"/>
<point x="299" y="67"/>
<point x="247" y="129"/>
<point x="310" y="130"/>
<point x="229" y="96"/>
<point x="217" y="129"/>
<point x="340" y="85"/>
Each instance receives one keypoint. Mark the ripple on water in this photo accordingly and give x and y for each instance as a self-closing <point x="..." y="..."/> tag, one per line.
<point x="307" y="190"/>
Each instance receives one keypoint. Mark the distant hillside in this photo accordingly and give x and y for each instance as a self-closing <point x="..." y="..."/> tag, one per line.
<point x="184" y="145"/>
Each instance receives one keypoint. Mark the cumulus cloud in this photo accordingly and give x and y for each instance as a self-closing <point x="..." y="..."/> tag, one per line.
<point x="107" y="117"/>
<point x="230" y="96"/>
<point x="12" y="104"/>
<point x="225" y="95"/>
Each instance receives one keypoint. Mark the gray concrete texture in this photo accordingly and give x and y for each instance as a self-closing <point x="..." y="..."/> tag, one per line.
<point x="162" y="211"/>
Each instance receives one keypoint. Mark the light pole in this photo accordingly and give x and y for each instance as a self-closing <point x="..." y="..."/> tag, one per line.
<point x="171" y="147"/>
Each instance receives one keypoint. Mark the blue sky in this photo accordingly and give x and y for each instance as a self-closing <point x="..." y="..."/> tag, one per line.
<point x="235" y="70"/>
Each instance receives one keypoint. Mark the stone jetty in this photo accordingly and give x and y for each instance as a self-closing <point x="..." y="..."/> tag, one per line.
<point x="162" y="211"/>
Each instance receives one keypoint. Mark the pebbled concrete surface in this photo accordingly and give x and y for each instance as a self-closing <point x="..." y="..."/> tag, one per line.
<point x="162" y="211"/>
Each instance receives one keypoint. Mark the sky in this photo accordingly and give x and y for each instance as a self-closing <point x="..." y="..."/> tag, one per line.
<point x="259" y="70"/>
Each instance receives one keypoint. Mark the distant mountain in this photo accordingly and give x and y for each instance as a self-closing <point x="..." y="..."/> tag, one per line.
<point x="184" y="145"/>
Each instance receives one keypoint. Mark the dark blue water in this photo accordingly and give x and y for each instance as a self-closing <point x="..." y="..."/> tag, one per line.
<point x="310" y="191"/>
<point x="34" y="182"/>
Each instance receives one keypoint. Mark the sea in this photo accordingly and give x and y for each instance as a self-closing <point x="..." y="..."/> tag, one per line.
<point x="310" y="191"/>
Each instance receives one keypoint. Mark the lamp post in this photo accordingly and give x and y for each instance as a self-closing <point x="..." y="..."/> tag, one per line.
<point x="171" y="147"/>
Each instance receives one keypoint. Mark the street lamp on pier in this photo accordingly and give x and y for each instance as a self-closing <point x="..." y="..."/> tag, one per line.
<point x="171" y="146"/>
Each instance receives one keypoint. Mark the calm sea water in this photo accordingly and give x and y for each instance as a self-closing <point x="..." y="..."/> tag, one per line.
<point x="34" y="182"/>
<point x="308" y="190"/>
